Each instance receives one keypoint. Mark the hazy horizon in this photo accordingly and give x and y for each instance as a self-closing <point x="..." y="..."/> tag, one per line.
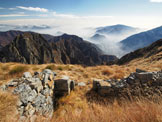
<point x="80" y="17"/>
<point x="70" y="16"/>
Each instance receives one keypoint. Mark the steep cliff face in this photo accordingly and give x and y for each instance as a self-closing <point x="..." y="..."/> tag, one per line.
<point x="69" y="49"/>
<point x="28" y="48"/>
<point x="151" y="50"/>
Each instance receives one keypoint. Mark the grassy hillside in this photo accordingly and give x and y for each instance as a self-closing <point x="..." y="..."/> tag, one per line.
<point x="82" y="104"/>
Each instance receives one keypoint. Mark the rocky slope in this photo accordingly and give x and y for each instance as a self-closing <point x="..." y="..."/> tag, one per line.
<point x="28" y="48"/>
<point x="70" y="49"/>
<point x="142" y="39"/>
<point x="152" y="50"/>
<point x="32" y="48"/>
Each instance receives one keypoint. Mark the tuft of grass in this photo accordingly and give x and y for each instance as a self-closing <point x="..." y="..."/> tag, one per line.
<point x="51" y="67"/>
<point x="5" y="67"/>
<point x="60" y="68"/>
<point x="17" y="70"/>
<point x="107" y="72"/>
<point x="137" y="111"/>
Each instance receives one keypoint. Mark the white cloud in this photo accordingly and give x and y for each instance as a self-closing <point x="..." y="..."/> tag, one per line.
<point x="71" y="16"/>
<point x="156" y="1"/>
<point x="12" y="8"/>
<point x="33" y="9"/>
<point x="64" y="15"/>
<point x="13" y="15"/>
<point x="2" y="8"/>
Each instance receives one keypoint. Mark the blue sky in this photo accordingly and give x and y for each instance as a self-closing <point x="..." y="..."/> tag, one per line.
<point x="88" y="7"/>
<point x="81" y="13"/>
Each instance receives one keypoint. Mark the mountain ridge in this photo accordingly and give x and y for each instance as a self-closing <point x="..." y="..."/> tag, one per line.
<point x="142" y="39"/>
<point x="154" y="49"/>
<point x="66" y="49"/>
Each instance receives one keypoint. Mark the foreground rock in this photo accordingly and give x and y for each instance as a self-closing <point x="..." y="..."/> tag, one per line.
<point x="36" y="95"/>
<point x="63" y="86"/>
<point x="140" y="83"/>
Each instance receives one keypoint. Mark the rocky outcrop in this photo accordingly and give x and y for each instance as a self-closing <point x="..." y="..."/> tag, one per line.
<point x="36" y="94"/>
<point x="146" y="52"/>
<point x="108" y="59"/>
<point x="70" y="49"/>
<point x="140" y="83"/>
<point x="30" y="48"/>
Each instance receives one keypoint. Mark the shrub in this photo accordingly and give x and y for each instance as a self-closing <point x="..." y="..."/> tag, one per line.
<point x="51" y="67"/>
<point x="17" y="70"/>
<point x="60" y="68"/>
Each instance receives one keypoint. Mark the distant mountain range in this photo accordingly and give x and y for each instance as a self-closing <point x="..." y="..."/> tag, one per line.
<point x="107" y="38"/>
<point x="33" y="48"/>
<point x="98" y="37"/>
<point x="141" y="40"/>
<point x="116" y="30"/>
<point x="27" y="47"/>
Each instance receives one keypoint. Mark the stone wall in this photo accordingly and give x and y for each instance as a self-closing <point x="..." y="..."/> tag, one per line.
<point x="139" y="83"/>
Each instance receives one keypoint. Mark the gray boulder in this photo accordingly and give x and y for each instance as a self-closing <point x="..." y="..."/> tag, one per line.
<point x="27" y="75"/>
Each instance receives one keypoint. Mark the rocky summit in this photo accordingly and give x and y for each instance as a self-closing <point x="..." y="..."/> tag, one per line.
<point x="30" y="48"/>
<point x="71" y="49"/>
<point x="137" y="84"/>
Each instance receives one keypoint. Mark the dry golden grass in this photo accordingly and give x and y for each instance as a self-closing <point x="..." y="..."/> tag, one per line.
<point x="7" y="107"/>
<point x="78" y="106"/>
<point x="139" y="111"/>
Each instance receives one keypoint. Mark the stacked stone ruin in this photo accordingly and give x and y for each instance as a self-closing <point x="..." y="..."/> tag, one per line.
<point x="36" y="96"/>
<point x="139" y="83"/>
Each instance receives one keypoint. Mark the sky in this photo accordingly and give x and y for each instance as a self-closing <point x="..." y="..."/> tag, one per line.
<point x="71" y="15"/>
